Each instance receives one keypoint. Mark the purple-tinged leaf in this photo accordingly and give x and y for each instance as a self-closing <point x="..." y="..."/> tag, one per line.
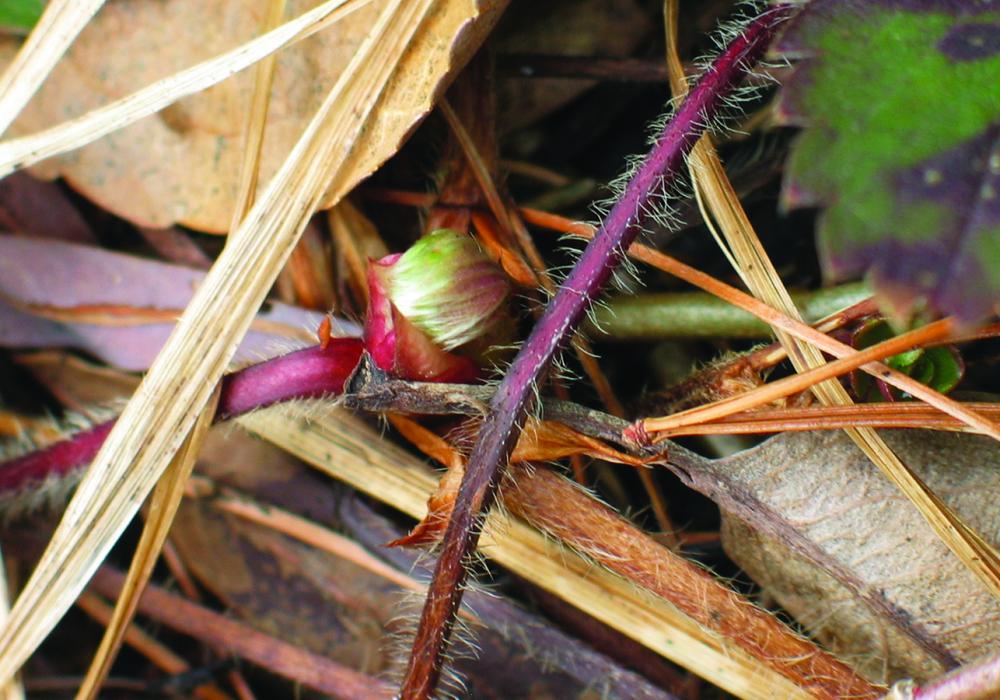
<point x="117" y="307"/>
<point x="901" y="104"/>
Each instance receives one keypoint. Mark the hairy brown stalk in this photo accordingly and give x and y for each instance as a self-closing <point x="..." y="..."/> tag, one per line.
<point x="556" y="506"/>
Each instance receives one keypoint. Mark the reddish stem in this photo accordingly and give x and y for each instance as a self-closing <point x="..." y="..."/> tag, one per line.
<point x="304" y="374"/>
<point x="979" y="681"/>
<point x="510" y="405"/>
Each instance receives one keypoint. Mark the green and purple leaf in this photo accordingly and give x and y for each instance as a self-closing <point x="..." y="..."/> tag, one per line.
<point x="900" y="100"/>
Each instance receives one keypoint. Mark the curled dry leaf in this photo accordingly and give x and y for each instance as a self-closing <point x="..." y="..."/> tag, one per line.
<point x="838" y="547"/>
<point x="541" y="441"/>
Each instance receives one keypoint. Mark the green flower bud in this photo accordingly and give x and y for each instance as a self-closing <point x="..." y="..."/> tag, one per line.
<point x="448" y="288"/>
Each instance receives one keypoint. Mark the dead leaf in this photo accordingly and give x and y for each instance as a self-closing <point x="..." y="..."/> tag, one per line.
<point x="118" y="307"/>
<point x="182" y="165"/>
<point x="41" y="209"/>
<point x="841" y="549"/>
<point x="541" y="441"/>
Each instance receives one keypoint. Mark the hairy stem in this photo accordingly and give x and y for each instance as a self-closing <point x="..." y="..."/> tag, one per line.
<point x="979" y="681"/>
<point x="512" y="401"/>
<point x="313" y="372"/>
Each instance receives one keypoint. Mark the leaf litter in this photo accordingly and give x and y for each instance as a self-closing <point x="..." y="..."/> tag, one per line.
<point x="851" y="561"/>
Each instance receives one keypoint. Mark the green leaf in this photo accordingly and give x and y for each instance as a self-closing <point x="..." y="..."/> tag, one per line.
<point x="940" y="368"/>
<point x="900" y="100"/>
<point x="20" y="15"/>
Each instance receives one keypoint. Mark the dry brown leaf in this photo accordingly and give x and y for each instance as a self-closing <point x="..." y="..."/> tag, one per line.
<point x="183" y="164"/>
<point x="886" y="593"/>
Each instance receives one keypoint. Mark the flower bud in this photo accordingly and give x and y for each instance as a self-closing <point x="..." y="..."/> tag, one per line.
<point x="440" y="294"/>
<point x="447" y="287"/>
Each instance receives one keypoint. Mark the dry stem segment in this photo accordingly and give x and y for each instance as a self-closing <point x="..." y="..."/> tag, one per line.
<point x="512" y="401"/>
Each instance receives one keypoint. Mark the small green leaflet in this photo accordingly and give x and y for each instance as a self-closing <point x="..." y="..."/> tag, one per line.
<point x="20" y="15"/>
<point x="900" y="103"/>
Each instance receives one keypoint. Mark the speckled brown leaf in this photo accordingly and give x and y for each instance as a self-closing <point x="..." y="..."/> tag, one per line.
<point x="886" y="593"/>
<point x="182" y="165"/>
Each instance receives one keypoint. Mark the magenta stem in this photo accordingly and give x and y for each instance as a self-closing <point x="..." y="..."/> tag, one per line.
<point x="502" y="427"/>
<point x="979" y="681"/>
<point x="310" y="373"/>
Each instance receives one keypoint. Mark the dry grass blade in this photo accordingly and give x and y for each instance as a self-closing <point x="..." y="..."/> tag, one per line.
<point x="26" y="150"/>
<point x="760" y="276"/>
<point x="181" y="379"/>
<point x="347" y="449"/>
<point x="13" y="689"/>
<point x="52" y="35"/>
<point x="162" y="507"/>
<point x="256" y="120"/>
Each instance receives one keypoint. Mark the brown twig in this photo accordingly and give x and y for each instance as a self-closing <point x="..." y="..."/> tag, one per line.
<point x="273" y="654"/>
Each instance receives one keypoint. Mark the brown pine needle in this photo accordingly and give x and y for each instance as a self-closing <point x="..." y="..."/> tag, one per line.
<point x="910" y="415"/>
<point x="772" y="316"/>
<point x="801" y="381"/>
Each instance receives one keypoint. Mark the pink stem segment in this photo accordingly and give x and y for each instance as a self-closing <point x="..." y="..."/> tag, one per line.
<point x="979" y="681"/>
<point x="304" y="374"/>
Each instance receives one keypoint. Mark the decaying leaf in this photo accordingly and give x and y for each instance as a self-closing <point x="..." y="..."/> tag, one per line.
<point x="118" y="307"/>
<point x="837" y="546"/>
<point x="902" y="146"/>
<point x="182" y="165"/>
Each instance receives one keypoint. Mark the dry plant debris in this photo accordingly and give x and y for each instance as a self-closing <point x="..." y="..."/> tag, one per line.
<point x="617" y="563"/>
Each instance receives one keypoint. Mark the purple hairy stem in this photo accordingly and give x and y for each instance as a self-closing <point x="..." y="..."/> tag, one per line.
<point x="512" y="401"/>
<point x="310" y="373"/>
<point x="978" y="681"/>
